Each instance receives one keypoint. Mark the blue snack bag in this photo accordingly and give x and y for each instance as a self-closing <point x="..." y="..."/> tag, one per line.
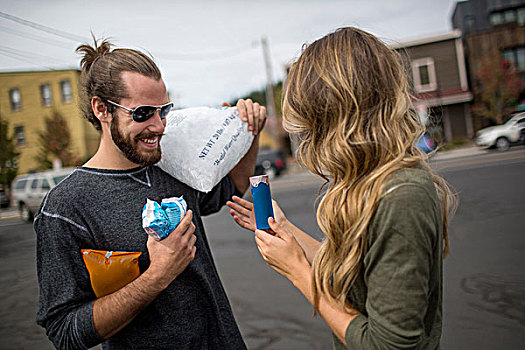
<point x="154" y="220"/>
<point x="175" y="208"/>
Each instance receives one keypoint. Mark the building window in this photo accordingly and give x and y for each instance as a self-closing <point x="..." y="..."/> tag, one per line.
<point x="508" y="16"/>
<point x="509" y="56"/>
<point x="496" y="18"/>
<point x="516" y="56"/>
<point x="20" y="135"/>
<point x="521" y="16"/>
<point x="470" y="22"/>
<point x="424" y="75"/>
<point x="520" y="58"/>
<point x="65" y="88"/>
<point x="45" y="93"/>
<point x="15" y="99"/>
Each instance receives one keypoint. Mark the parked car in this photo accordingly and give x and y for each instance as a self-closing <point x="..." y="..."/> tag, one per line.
<point x="4" y="199"/>
<point x="29" y="190"/>
<point x="269" y="162"/>
<point x="502" y="136"/>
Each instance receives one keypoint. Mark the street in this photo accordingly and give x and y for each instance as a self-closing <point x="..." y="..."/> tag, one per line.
<point x="484" y="279"/>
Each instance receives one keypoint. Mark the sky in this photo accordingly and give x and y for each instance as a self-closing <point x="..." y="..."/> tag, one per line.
<point x="208" y="51"/>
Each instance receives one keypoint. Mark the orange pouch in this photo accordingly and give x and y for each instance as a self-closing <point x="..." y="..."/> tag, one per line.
<point x="110" y="271"/>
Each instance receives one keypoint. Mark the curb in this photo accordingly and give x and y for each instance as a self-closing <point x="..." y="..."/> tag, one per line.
<point x="9" y="213"/>
<point x="459" y="153"/>
<point x="294" y="168"/>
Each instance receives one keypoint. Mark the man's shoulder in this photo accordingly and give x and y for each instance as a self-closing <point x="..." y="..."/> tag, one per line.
<point x="169" y="180"/>
<point x="77" y="188"/>
<point x="70" y="185"/>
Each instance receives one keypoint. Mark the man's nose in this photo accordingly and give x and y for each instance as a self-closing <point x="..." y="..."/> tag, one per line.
<point x="156" y="123"/>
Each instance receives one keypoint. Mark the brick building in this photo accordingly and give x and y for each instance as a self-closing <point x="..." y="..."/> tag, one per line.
<point x="27" y="98"/>
<point x="487" y="26"/>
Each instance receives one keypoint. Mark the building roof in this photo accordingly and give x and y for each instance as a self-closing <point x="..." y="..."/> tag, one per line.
<point x="429" y="40"/>
<point x="25" y="71"/>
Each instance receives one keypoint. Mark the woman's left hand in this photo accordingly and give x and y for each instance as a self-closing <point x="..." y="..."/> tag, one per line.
<point x="282" y="252"/>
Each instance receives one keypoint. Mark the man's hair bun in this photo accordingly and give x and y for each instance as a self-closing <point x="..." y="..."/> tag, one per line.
<point x="92" y="54"/>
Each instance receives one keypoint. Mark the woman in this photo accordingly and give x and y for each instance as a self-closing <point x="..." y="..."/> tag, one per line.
<point x="376" y="278"/>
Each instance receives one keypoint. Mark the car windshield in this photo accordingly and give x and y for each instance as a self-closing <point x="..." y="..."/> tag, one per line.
<point x="59" y="178"/>
<point x="512" y="118"/>
<point x="20" y="185"/>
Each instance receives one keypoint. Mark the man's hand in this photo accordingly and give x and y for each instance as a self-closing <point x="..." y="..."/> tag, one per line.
<point x="172" y="255"/>
<point x="253" y="113"/>
<point x="169" y="258"/>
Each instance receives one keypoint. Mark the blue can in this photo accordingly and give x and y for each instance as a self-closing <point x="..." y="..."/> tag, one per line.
<point x="262" y="200"/>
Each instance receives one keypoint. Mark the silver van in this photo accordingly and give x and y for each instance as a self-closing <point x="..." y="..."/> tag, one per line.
<point x="29" y="190"/>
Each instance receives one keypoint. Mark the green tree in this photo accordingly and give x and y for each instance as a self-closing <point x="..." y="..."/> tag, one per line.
<point x="55" y="143"/>
<point x="8" y="155"/>
<point x="497" y="88"/>
<point x="260" y="97"/>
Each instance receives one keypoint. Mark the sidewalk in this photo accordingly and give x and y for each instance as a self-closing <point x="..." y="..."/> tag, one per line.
<point x="9" y="213"/>
<point x="467" y="150"/>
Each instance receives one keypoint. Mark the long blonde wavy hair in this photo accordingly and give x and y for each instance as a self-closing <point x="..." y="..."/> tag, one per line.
<point x="349" y="101"/>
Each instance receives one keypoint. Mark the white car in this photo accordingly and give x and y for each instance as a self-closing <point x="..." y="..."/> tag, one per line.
<point x="502" y="136"/>
<point x="29" y="190"/>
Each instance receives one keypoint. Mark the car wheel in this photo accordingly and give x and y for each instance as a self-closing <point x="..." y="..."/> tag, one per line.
<point x="502" y="144"/>
<point x="25" y="213"/>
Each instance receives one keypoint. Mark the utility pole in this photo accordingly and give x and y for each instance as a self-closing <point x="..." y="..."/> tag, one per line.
<point x="274" y="123"/>
<point x="270" y="100"/>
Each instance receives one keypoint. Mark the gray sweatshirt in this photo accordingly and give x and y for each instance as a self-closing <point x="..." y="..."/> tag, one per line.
<point x="101" y="209"/>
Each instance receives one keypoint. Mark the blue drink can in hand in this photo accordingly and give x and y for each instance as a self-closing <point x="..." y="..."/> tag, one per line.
<point x="262" y="200"/>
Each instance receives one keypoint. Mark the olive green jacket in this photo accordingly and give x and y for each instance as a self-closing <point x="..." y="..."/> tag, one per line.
<point x="399" y="289"/>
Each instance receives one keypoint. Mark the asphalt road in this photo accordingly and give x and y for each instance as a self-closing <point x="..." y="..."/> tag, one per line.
<point x="484" y="290"/>
<point x="484" y="275"/>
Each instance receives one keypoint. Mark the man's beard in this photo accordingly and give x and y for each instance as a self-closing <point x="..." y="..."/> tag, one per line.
<point x="129" y="146"/>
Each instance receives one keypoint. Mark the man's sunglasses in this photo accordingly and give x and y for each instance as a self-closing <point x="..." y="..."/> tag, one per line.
<point x="142" y="113"/>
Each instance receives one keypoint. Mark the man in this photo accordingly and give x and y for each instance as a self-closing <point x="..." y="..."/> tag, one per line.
<point x="178" y="301"/>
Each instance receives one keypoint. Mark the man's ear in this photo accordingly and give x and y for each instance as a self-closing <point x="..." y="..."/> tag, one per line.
<point x="99" y="108"/>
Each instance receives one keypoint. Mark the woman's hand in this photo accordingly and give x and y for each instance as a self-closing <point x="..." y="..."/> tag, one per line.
<point x="283" y="253"/>
<point x="243" y="214"/>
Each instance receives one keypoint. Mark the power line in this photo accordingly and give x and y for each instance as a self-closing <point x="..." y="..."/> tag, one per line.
<point x="24" y="59"/>
<point x="198" y="56"/>
<point x="43" y="28"/>
<point x="38" y="38"/>
<point x="26" y="54"/>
